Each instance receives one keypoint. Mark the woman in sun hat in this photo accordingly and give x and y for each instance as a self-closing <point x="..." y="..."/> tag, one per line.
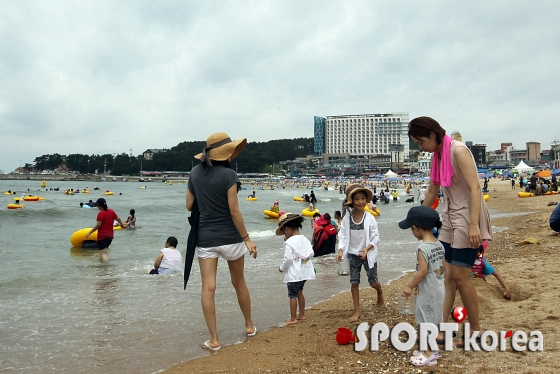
<point x="296" y="266"/>
<point x="466" y="221"/>
<point x="213" y="185"/>
<point x="358" y="238"/>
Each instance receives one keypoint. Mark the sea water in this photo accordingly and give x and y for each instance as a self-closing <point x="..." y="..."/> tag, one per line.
<point x="64" y="312"/>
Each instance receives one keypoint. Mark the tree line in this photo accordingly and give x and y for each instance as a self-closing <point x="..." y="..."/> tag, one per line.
<point x="256" y="158"/>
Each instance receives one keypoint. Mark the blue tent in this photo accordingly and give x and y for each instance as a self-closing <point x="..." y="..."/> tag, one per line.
<point x="509" y="174"/>
<point x="556" y="171"/>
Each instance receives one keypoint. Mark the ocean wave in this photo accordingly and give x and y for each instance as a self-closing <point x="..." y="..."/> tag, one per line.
<point x="262" y="234"/>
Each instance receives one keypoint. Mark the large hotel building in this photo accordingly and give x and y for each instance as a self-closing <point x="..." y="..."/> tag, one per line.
<point x="362" y="136"/>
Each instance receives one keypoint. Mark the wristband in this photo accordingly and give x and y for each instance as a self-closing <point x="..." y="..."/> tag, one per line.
<point x="245" y="237"/>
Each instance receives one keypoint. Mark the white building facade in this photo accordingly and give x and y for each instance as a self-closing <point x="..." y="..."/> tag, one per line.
<point x="366" y="134"/>
<point x="424" y="163"/>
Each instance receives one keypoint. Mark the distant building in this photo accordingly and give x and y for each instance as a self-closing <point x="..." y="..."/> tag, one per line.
<point x="456" y="135"/>
<point x="533" y="151"/>
<point x="364" y="140"/>
<point x="424" y="163"/>
<point x="149" y="153"/>
<point x="479" y="152"/>
<point x="517" y="155"/>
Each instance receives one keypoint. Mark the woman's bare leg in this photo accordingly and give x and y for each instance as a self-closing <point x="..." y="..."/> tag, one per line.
<point x="236" y="270"/>
<point x="450" y="292"/>
<point x="208" y="269"/>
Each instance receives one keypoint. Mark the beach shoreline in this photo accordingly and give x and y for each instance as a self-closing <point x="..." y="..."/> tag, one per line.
<point x="310" y="346"/>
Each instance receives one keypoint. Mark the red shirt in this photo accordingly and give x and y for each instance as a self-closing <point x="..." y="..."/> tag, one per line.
<point x="107" y="217"/>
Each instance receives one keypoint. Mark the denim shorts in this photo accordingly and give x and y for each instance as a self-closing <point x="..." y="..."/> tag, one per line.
<point x="464" y="257"/>
<point x="294" y="288"/>
<point x="356" y="263"/>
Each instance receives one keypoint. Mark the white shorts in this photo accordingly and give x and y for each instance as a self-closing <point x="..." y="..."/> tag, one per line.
<point x="229" y="252"/>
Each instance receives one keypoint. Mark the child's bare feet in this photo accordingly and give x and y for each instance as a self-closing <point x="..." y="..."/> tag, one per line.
<point x="290" y="322"/>
<point x="355" y="317"/>
<point x="380" y="298"/>
<point x="301" y="318"/>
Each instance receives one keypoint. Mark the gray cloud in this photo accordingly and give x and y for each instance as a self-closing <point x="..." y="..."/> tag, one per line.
<point x="104" y="77"/>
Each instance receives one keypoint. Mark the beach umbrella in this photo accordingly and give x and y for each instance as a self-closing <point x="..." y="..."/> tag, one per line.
<point x="544" y="173"/>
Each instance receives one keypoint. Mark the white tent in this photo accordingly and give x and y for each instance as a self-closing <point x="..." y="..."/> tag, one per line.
<point x="523" y="167"/>
<point x="391" y="174"/>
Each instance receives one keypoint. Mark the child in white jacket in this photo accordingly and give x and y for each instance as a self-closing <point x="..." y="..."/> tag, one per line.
<point x="297" y="266"/>
<point x="357" y="241"/>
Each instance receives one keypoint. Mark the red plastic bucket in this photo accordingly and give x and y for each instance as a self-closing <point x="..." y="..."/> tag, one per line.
<point x="344" y="336"/>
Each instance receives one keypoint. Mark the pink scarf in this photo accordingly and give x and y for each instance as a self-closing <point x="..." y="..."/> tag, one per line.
<point x="442" y="172"/>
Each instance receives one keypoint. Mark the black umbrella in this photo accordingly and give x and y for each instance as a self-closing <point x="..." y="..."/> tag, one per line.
<point x="191" y="242"/>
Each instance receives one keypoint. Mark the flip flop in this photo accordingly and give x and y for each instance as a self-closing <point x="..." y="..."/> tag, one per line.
<point x="207" y="345"/>
<point x="421" y="360"/>
<point x="253" y="333"/>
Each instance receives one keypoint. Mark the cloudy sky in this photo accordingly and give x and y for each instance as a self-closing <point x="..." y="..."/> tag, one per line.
<point x="98" y="77"/>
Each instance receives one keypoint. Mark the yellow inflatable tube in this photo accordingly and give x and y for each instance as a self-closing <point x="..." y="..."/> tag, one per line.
<point x="79" y="237"/>
<point x="107" y="193"/>
<point x="308" y="213"/>
<point x="376" y="212"/>
<point x="271" y="214"/>
<point x="15" y="206"/>
<point x="297" y="198"/>
<point x="251" y="199"/>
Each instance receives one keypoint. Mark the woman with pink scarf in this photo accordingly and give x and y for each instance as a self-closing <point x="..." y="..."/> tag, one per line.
<point x="466" y="221"/>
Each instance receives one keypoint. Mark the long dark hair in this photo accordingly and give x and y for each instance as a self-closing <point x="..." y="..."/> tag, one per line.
<point x="103" y="205"/>
<point x="421" y="127"/>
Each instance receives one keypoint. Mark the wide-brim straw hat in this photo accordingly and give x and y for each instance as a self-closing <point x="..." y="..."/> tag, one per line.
<point x="283" y="219"/>
<point x="220" y="147"/>
<point x="356" y="187"/>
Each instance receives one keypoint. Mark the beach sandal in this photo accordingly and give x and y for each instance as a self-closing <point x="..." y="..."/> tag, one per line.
<point x="461" y="343"/>
<point x="418" y="353"/>
<point x="253" y="333"/>
<point x="206" y="345"/>
<point x="421" y="360"/>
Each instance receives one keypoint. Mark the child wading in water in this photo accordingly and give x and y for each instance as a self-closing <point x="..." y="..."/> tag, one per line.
<point x="429" y="277"/>
<point x="357" y="240"/>
<point x="297" y="266"/>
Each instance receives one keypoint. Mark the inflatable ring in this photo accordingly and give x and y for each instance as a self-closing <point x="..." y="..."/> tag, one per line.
<point x="271" y="214"/>
<point x="15" y="206"/>
<point x="435" y="204"/>
<point x="525" y="194"/>
<point x="85" y="191"/>
<point x="297" y="198"/>
<point x="31" y="198"/>
<point x="307" y="213"/>
<point x="9" y="193"/>
<point x="251" y="199"/>
<point x="107" y="193"/>
<point x="376" y="212"/>
<point x="78" y="238"/>
<point x="486" y="197"/>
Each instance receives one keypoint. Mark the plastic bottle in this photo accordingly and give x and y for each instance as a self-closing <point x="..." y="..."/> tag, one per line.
<point x="407" y="306"/>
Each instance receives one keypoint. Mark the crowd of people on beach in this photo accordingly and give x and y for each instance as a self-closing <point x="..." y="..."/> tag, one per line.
<point x="450" y="251"/>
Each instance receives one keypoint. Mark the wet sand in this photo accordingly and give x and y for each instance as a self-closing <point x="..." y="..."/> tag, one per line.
<point x="531" y="271"/>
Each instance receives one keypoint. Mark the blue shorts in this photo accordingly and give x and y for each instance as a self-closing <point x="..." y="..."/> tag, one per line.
<point x="464" y="257"/>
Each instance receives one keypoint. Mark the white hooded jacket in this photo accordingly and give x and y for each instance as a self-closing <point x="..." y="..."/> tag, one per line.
<point x="297" y="264"/>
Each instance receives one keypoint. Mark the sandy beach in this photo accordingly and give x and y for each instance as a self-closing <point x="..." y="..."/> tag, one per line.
<point x="530" y="270"/>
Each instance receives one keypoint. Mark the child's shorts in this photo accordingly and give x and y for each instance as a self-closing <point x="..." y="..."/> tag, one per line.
<point x="356" y="263"/>
<point x="229" y="252"/>
<point x="294" y="288"/>
<point x="464" y="257"/>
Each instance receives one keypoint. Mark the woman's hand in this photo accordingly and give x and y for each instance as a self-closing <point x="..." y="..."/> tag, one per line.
<point x="252" y="247"/>
<point x="474" y="236"/>
<point x="339" y="255"/>
<point x="87" y="235"/>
